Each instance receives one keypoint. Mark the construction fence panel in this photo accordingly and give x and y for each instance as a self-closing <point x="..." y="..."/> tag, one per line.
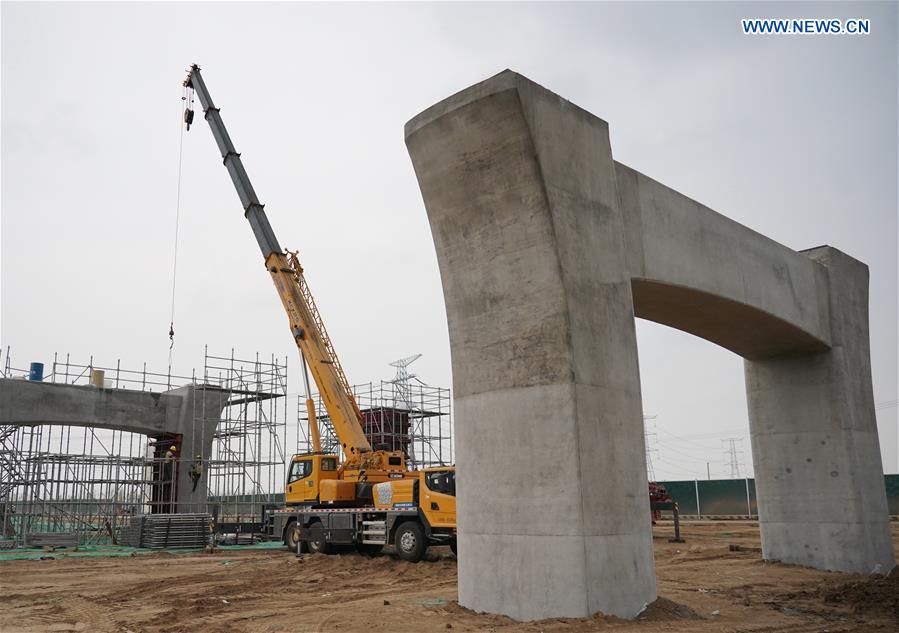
<point x="726" y="497"/>
<point x="892" y="484"/>
<point x="737" y="497"/>
<point x="684" y="493"/>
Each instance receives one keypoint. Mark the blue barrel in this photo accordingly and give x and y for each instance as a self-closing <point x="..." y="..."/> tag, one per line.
<point x="37" y="372"/>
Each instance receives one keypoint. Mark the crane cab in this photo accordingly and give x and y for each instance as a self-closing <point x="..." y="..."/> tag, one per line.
<point x="305" y="475"/>
<point x="432" y="490"/>
<point x="439" y="492"/>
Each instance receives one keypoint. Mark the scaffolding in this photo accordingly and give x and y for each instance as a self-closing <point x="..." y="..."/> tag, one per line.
<point x="247" y="468"/>
<point x="400" y="415"/>
<point x="90" y="481"/>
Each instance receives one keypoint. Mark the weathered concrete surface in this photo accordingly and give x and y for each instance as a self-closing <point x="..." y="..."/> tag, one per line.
<point x="187" y="411"/>
<point x="547" y="249"/>
<point x="698" y="271"/>
<point x="817" y="458"/>
<point x="552" y="495"/>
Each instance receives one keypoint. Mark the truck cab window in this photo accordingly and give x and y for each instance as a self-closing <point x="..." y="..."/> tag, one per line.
<point x="442" y="481"/>
<point x="300" y="470"/>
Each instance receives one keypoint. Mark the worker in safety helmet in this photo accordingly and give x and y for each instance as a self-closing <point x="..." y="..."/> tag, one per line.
<point x="169" y="463"/>
<point x="196" y="471"/>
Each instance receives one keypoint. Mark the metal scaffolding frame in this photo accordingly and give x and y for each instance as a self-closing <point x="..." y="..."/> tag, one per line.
<point x="90" y="481"/>
<point x="247" y="467"/>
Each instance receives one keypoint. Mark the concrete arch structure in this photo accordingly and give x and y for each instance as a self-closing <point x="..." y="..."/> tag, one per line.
<point x="191" y="412"/>
<point x="548" y="249"/>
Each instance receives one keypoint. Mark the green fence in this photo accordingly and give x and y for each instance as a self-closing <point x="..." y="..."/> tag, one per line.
<point x="892" y="482"/>
<point x="736" y="497"/>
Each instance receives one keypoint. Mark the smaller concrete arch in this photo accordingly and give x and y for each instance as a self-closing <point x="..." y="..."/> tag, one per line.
<point x="156" y="415"/>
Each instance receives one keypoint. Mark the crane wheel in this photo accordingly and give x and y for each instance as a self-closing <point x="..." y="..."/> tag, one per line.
<point x="410" y="541"/>
<point x="292" y="536"/>
<point x="317" y="543"/>
<point x="454" y="547"/>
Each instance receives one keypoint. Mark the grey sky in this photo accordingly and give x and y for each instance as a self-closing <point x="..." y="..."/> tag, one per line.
<point x="794" y="136"/>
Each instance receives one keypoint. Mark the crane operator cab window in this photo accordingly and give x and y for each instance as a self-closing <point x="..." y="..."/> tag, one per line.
<point x="443" y="481"/>
<point x="300" y="470"/>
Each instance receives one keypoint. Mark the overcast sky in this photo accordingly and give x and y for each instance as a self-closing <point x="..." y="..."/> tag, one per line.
<point x="793" y="136"/>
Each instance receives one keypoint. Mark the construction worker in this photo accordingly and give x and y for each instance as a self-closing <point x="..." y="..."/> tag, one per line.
<point x="168" y="470"/>
<point x="196" y="471"/>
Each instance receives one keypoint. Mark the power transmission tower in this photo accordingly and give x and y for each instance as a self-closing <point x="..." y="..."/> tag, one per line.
<point x="732" y="455"/>
<point x="649" y="438"/>
<point x="402" y="380"/>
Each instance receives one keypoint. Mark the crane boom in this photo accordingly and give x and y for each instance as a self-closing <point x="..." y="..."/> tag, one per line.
<point x="306" y="323"/>
<point x="253" y="209"/>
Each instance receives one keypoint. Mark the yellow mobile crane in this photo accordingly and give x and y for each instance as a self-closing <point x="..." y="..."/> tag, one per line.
<point x="329" y="502"/>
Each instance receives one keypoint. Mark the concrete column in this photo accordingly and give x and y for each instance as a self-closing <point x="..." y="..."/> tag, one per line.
<point x="195" y="420"/>
<point x="553" y="508"/>
<point x="819" y="478"/>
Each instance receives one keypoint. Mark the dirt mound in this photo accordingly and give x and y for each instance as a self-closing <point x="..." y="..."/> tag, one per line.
<point x="663" y="609"/>
<point x="878" y="594"/>
<point x="875" y="596"/>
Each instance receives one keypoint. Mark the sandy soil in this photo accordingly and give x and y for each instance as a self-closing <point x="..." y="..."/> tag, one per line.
<point x="704" y="586"/>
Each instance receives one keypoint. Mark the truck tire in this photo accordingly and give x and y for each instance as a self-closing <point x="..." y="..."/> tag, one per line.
<point x="291" y="536"/>
<point x="454" y="547"/>
<point x="317" y="542"/>
<point x="410" y="541"/>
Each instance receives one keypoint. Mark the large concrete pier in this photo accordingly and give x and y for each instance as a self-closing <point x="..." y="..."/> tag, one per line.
<point x="548" y="249"/>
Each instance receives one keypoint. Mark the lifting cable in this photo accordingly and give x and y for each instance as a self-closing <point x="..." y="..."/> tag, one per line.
<point x="186" y="106"/>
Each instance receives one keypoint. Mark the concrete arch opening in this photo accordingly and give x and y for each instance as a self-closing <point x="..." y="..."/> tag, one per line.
<point x="694" y="403"/>
<point x="548" y="248"/>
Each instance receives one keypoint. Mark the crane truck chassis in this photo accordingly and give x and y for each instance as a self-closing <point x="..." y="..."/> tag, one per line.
<point x="411" y="514"/>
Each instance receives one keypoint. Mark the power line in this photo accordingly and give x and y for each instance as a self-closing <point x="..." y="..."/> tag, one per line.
<point x="704" y="450"/>
<point x="710" y="436"/>
<point x="691" y="473"/>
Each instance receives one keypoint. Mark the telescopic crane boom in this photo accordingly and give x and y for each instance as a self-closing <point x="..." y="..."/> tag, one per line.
<point x="306" y="325"/>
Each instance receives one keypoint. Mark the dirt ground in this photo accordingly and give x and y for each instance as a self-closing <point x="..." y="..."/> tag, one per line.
<point x="703" y="586"/>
